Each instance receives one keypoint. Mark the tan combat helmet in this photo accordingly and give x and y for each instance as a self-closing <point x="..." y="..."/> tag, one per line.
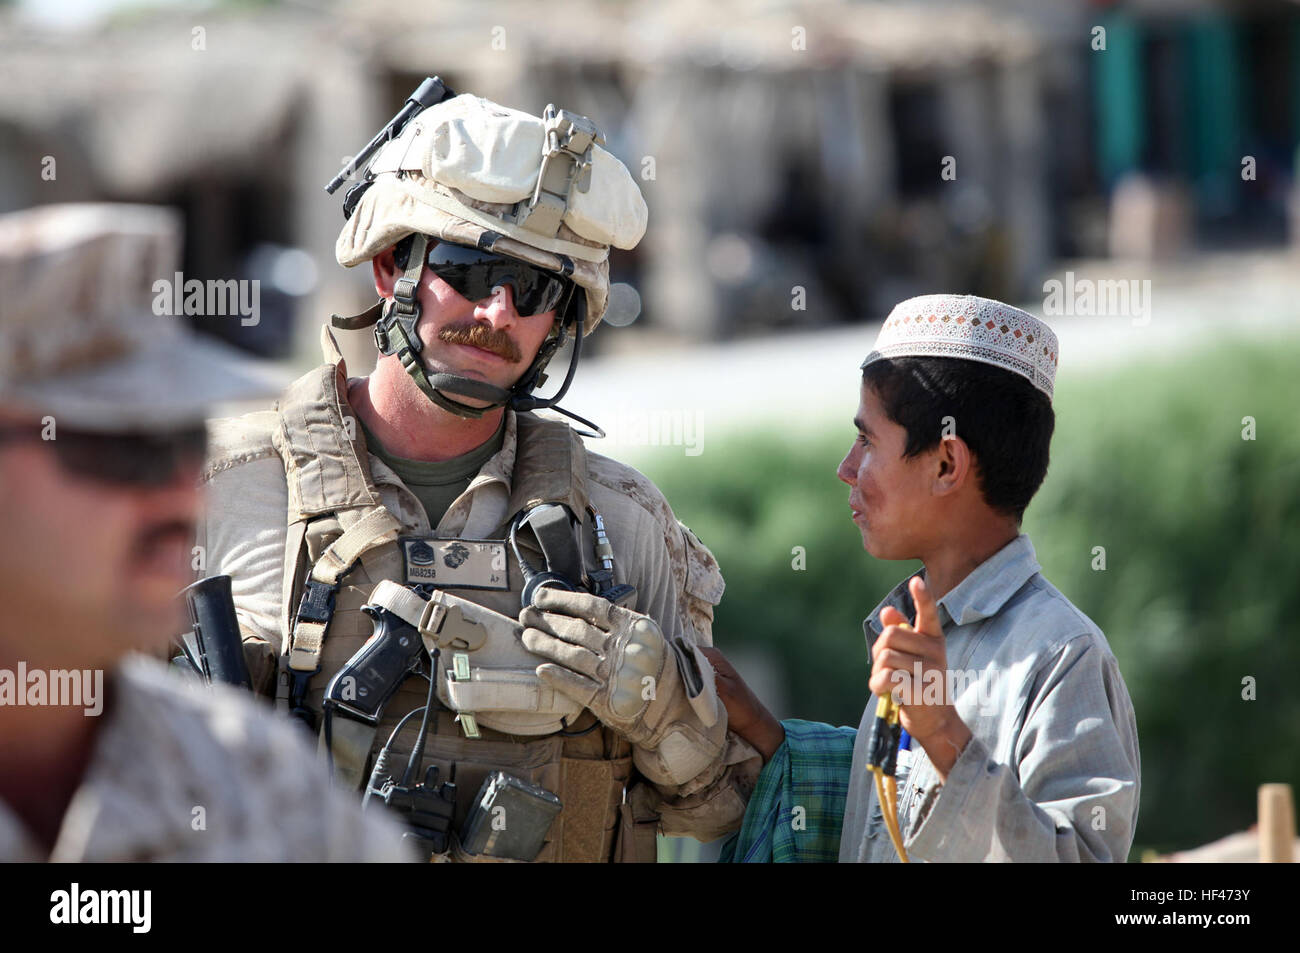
<point x="464" y="170"/>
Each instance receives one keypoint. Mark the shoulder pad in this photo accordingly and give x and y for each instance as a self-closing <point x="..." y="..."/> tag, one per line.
<point x="236" y="440"/>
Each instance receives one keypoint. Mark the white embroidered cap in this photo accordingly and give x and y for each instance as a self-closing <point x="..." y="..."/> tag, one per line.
<point x="977" y="329"/>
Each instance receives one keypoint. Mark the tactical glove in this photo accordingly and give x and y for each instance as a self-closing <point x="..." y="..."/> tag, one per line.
<point x="658" y="694"/>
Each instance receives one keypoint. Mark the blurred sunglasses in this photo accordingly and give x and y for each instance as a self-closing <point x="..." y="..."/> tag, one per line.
<point x="475" y="274"/>
<point x="121" y="459"/>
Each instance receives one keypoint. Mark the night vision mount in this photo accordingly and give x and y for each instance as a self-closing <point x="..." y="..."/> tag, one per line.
<point x="429" y="93"/>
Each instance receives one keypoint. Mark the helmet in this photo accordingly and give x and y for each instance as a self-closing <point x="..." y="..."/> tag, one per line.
<point x="471" y="172"/>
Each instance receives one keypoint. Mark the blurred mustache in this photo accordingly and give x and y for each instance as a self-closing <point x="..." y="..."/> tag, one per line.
<point x="160" y="535"/>
<point x="480" y="335"/>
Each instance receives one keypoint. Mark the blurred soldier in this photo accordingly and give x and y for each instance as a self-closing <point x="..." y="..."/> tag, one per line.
<point x="488" y="231"/>
<point x="106" y="755"/>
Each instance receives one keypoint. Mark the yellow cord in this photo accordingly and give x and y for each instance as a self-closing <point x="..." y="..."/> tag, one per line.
<point x="887" y="787"/>
<point x="886" y="793"/>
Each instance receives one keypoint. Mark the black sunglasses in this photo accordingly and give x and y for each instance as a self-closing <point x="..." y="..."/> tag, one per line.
<point x="475" y="274"/>
<point x="123" y="459"/>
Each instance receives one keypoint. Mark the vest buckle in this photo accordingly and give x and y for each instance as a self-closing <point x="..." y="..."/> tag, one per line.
<point x="317" y="603"/>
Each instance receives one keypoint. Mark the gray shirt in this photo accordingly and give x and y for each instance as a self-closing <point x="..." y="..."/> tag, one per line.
<point x="182" y="772"/>
<point x="1051" y="772"/>
<point x="437" y="484"/>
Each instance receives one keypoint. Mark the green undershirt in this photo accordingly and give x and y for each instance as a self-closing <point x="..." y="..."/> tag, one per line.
<point x="437" y="484"/>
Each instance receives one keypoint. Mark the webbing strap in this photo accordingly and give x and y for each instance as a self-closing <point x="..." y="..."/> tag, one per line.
<point x="362" y="535"/>
<point x="406" y="290"/>
<point x="294" y="563"/>
<point x="398" y="316"/>
<point x="468" y="387"/>
<point x="471" y="388"/>
<point x="304" y="656"/>
<point x="550" y="466"/>
<point x="372" y="529"/>
<point x="355" y="322"/>
<point x="421" y="614"/>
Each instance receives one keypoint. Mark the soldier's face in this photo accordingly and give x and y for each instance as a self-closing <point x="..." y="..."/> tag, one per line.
<point x="88" y="569"/>
<point x="484" y="340"/>
<point x="888" y="496"/>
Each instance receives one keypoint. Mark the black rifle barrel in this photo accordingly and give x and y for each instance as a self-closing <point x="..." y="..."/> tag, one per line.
<point x="216" y="631"/>
<point x="429" y="93"/>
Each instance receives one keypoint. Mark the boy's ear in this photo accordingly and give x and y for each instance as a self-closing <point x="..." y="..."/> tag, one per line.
<point x="956" y="464"/>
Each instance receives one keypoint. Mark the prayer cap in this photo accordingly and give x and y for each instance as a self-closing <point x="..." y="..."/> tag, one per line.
<point x="976" y="329"/>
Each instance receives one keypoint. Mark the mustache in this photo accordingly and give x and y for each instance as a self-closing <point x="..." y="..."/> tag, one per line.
<point x="480" y="335"/>
<point x="162" y="534"/>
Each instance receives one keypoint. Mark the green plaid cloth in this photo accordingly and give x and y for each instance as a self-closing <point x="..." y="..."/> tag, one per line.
<point x="809" y="771"/>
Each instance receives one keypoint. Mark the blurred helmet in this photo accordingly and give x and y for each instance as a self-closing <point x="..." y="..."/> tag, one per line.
<point x="81" y="337"/>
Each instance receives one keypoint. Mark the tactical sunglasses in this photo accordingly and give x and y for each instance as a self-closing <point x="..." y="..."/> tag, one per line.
<point x="474" y="275"/>
<point x="121" y="459"/>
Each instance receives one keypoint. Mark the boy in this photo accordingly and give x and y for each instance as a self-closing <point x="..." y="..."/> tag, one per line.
<point x="1024" y="742"/>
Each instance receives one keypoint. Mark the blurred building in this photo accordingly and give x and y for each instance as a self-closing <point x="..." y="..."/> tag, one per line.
<point x="805" y="163"/>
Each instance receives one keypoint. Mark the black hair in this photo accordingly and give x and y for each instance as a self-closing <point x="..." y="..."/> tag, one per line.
<point x="1004" y="419"/>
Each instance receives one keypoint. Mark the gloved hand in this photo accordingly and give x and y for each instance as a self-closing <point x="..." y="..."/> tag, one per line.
<point x="616" y="662"/>
<point x="608" y="658"/>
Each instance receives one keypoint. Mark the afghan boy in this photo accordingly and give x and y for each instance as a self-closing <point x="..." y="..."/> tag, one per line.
<point x="1023" y="737"/>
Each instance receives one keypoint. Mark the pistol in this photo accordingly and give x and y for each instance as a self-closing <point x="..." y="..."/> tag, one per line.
<point x="364" y="684"/>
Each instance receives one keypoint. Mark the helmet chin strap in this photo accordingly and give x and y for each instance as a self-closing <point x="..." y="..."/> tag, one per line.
<point x="395" y="333"/>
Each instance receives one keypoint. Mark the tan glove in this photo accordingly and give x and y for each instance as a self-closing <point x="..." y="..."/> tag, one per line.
<point x="616" y="662"/>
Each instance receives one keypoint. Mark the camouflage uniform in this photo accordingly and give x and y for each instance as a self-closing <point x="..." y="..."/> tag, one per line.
<point x="182" y="772"/>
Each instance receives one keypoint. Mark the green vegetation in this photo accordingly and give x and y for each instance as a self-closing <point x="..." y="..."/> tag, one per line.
<point x="1201" y="589"/>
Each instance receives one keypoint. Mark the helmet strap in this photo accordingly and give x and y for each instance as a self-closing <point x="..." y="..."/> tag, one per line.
<point x="395" y="333"/>
<point x="575" y="314"/>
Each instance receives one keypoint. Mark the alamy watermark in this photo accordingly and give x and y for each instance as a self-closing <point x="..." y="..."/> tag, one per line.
<point x="214" y="297"/>
<point x="132" y="908"/>
<point x="935" y="687"/>
<point x="1098" y="298"/>
<point x="659" y="428"/>
<point x="53" y="688"/>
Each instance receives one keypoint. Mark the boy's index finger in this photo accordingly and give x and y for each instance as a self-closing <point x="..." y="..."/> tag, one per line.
<point x="927" y="610"/>
<point x="891" y="616"/>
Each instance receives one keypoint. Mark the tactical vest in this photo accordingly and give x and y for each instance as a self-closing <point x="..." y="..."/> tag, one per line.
<point x="341" y="535"/>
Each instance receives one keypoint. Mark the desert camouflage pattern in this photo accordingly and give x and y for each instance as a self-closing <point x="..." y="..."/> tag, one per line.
<point x="677" y="581"/>
<point x="184" y="772"/>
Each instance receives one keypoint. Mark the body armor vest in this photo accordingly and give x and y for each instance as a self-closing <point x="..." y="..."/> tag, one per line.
<point x="529" y="731"/>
